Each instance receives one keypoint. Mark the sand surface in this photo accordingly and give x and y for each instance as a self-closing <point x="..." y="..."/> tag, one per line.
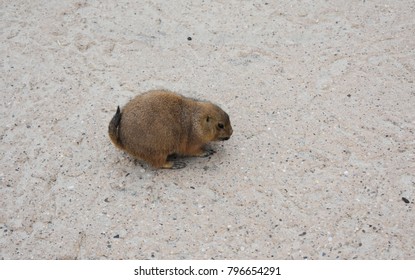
<point x="321" y="96"/>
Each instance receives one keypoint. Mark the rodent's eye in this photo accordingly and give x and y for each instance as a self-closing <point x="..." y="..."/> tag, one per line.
<point x="221" y="126"/>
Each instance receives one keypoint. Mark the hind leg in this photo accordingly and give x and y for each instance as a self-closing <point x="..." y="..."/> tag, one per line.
<point x="174" y="165"/>
<point x="199" y="151"/>
<point x="207" y="152"/>
<point x="158" y="160"/>
<point x="162" y="161"/>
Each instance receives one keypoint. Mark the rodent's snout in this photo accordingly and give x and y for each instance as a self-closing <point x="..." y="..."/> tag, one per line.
<point x="224" y="138"/>
<point x="229" y="134"/>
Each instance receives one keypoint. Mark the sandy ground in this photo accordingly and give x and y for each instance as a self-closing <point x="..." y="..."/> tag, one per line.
<point x="321" y="97"/>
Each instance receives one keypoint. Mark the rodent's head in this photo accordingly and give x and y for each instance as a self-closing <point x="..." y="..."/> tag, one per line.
<point x="217" y="126"/>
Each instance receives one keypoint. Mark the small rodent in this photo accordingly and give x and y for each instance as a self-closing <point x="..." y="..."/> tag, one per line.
<point x="161" y="123"/>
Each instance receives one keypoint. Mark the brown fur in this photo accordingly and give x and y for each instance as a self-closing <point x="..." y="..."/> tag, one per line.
<point x="160" y="123"/>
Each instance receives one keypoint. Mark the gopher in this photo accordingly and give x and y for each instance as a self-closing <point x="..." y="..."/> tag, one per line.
<point x="159" y="124"/>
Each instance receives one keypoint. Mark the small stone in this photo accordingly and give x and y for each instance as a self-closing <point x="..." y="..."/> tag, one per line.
<point x="117" y="236"/>
<point x="302" y="234"/>
<point x="405" y="200"/>
<point x="189" y="38"/>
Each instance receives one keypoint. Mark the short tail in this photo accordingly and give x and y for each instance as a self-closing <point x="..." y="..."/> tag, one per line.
<point x="114" y="129"/>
